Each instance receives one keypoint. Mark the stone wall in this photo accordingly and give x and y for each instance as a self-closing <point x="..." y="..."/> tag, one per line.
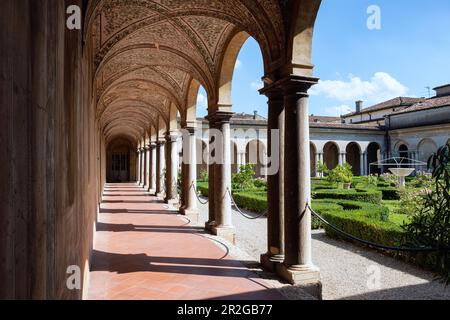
<point x="49" y="182"/>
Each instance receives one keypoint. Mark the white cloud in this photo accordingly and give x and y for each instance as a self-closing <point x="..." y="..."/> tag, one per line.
<point x="257" y="84"/>
<point x="338" y="111"/>
<point x="380" y="87"/>
<point x="238" y="64"/>
<point x="202" y="102"/>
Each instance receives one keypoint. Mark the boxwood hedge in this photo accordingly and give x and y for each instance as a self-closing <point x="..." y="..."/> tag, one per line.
<point x="370" y="196"/>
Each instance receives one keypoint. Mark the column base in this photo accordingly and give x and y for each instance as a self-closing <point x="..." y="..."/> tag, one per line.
<point x="160" y="195"/>
<point x="209" y="225"/>
<point x="269" y="261"/>
<point x="191" y="214"/>
<point x="227" y="233"/>
<point x="304" y="277"/>
<point x="171" y="201"/>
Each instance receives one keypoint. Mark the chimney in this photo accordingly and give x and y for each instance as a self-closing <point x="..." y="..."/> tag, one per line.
<point x="359" y="106"/>
<point x="255" y="115"/>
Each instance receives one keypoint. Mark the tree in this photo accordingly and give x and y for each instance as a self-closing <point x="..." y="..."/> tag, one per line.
<point x="244" y="178"/>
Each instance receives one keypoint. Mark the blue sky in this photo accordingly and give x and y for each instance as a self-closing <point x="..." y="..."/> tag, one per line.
<point x="410" y="52"/>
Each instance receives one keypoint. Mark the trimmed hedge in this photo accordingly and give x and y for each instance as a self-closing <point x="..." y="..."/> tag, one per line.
<point x="370" y="196"/>
<point x="255" y="202"/>
<point x="202" y="188"/>
<point x="364" y="227"/>
<point x="390" y="193"/>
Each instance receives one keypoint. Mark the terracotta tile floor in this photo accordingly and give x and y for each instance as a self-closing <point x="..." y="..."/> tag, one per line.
<point x="145" y="251"/>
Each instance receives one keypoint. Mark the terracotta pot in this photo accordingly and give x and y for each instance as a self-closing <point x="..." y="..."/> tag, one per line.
<point x="347" y="186"/>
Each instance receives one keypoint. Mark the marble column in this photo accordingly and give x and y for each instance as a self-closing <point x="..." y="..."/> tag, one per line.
<point x="275" y="184"/>
<point x="160" y="164"/>
<point x="366" y="169"/>
<point x="141" y="167"/>
<point x="144" y="167"/>
<point x="153" y="160"/>
<point x="298" y="267"/>
<point x="361" y="165"/>
<point x="209" y="225"/>
<point x="222" y="179"/>
<point x="171" y="168"/>
<point x="190" y="176"/>
<point x="138" y="166"/>
<point x="317" y="162"/>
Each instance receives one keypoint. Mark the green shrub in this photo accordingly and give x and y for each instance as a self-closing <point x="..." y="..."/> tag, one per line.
<point x="390" y="193"/>
<point x="202" y="188"/>
<point x="370" y="196"/>
<point x="255" y="202"/>
<point x="364" y="227"/>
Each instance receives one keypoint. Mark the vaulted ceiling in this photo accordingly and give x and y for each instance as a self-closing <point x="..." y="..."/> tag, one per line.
<point x="147" y="53"/>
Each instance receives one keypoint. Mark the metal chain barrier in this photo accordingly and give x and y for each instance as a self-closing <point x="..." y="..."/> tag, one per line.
<point x="368" y="243"/>
<point x="240" y="211"/>
<point x="198" y="197"/>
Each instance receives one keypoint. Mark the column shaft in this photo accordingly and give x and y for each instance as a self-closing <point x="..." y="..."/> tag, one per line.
<point x="298" y="267"/>
<point x="190" y="176"/>
<point x="160" y="160"/>
<point x="171" y="168"/>
<point x="153" y="161"/>
<point x="275" y="183"/>
<point x="209" y="225"/>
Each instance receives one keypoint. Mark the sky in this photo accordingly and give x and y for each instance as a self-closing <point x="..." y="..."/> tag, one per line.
<point x="408" y="53"/>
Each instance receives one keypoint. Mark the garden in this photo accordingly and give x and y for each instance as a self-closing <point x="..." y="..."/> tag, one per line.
<point x="374" y="208"/>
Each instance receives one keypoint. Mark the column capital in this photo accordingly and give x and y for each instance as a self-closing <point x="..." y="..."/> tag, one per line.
<point x="152" y="145"/>
<point x="171" y="137"/>
<point x="220" y="117"/>
<point x="296" y="85"/>
<point x="160" y="143"/>
<point x="273" y="93"/>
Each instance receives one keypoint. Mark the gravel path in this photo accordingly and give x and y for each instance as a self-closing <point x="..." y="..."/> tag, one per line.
<point x="347" y="271"/>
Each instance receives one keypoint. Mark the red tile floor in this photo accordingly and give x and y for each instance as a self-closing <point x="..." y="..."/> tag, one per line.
<point x="145" y="251"/>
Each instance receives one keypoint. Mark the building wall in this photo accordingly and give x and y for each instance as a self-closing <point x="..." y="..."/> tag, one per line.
<point x="49" y="178"/>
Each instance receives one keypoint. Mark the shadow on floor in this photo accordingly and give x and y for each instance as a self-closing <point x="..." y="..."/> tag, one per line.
<point x="130" y="263"/>
<point x="109" y="227"/>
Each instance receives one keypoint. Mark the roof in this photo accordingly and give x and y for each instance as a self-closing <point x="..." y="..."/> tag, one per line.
<point x="432" y="103"/>
<point x="396" y="102"/>
<point x="323" y="119"/>
<point x="333" y="125"/>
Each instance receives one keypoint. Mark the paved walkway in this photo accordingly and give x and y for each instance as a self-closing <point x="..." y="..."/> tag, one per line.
<point x="145" y="251"/>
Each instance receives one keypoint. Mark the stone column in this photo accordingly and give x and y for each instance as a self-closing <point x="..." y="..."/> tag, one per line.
<point x="160" y="161"/>
<point x="147" y="165"/>
<point x="190" y="176"/>
<point x="361" y="165"/>
<point x="317" y="162"/>
<point x="366" y="170"/>
<point x="298" y="267"/>
<point x="275" y="184"/>
<point x="144" y="166"/>
<point x="222" y="179"/>
<point x="238" y="161"/>
<point x="138" y="166"/>
<point x="141" y="167"/>
<point x="209" y="225"/>
<point x="171" y="168"/>
<point x="153" y="160"/>
<point x="341" y="158"/>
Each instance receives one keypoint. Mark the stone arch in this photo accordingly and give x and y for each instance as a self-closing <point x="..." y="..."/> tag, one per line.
<point x="313" y="152"/>
<point x="353" y="157"/>
<point x="373" y="155"/>
<point x="299" y="51"/>
<point x="426" y="148"/>
<point x="331" y="154"/>
<point x="227" y="68"/>
<point x="255" y="153"/>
